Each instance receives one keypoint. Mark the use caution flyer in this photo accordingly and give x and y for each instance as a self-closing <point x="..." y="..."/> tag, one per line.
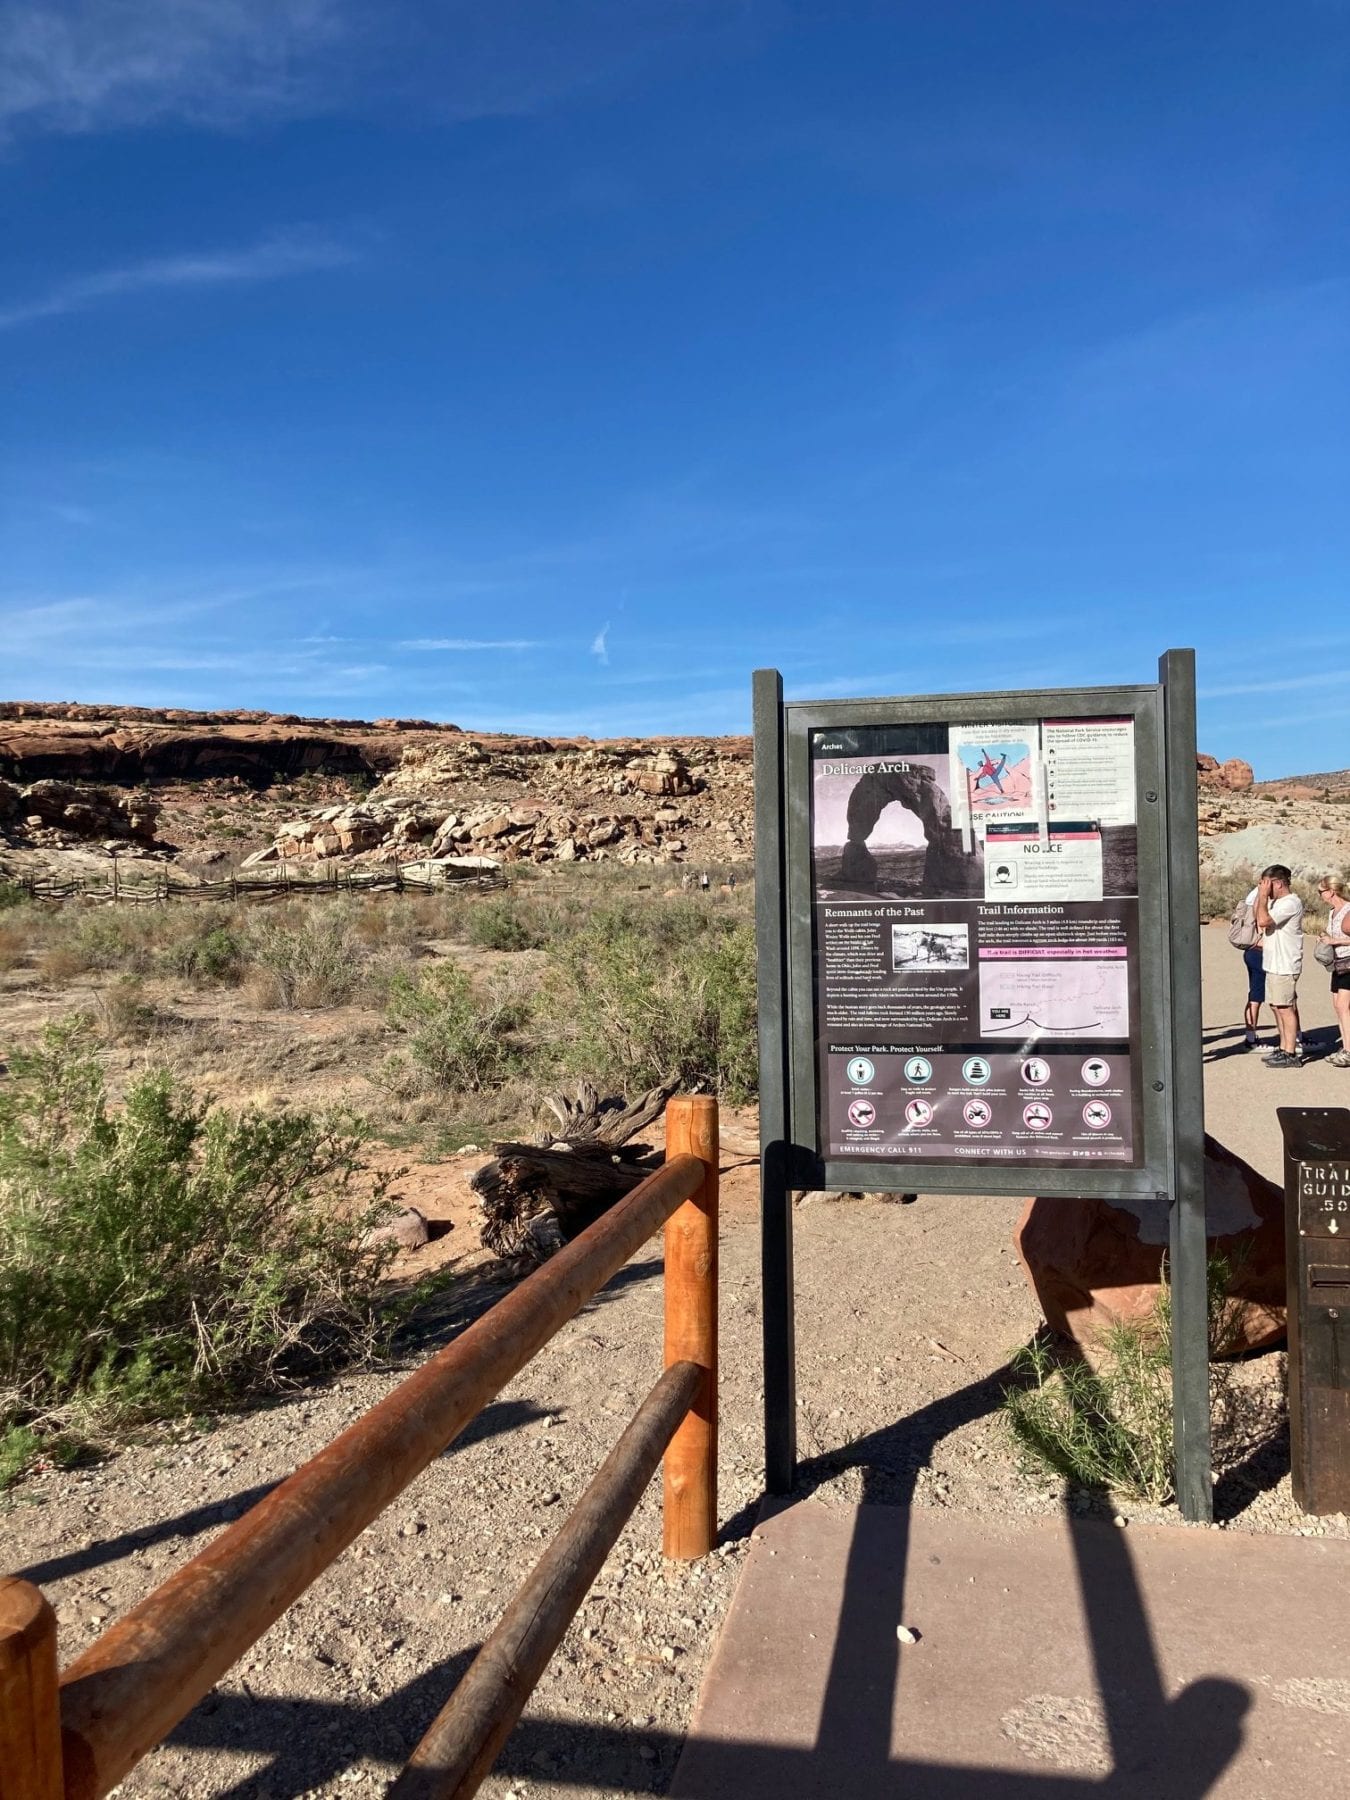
<point x="976" y="921"/>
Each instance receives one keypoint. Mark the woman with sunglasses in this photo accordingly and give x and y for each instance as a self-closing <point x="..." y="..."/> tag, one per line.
<point x="1337" y="934"/>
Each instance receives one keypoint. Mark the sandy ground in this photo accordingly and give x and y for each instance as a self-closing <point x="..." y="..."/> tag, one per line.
<point x="906" y="1314"/>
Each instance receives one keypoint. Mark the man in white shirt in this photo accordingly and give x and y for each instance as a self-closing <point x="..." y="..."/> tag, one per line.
<point x="1279" y="918"/>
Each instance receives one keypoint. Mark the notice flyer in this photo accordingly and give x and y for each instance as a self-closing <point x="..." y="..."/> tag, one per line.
<point x="1089" y="769"/>
<point x="997" y="773"/>
<point x="976" y="961"/>
<point x="1063" y="864"/>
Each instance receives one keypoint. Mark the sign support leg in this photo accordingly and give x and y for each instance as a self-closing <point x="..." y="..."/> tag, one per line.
<point x="780" y="1351"/>
<point x="1188" y="1258"/>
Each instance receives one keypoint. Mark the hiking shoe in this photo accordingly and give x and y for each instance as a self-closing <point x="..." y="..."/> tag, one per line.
<point x="1283" y="1060"/>
<point x="1275" y="1056"/>
<point x="1340" y="1060"/>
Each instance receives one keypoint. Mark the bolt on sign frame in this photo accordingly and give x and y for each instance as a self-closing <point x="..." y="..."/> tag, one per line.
<point x="919" y="995"/>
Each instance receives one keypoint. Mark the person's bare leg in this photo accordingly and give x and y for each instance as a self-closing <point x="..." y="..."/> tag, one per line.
<point x="1286" y="1019"/>
<point x="1340" y="999"/>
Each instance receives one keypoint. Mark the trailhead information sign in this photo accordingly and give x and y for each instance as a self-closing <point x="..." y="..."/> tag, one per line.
<point x="975" y="890"/>
<point x="978" y="968"/>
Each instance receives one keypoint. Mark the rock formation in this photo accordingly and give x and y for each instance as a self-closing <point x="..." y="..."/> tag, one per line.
<point x="917" y="790"/>
<point x="1092" y="1265"/>
<point x="1233" y="776"/>
<point x="51" y="812"/>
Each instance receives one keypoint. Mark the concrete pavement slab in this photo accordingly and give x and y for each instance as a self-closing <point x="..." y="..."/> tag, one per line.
<point x="1054" y="1658"/>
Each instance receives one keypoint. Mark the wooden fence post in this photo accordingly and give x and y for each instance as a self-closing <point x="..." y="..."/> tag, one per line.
<point x="690" y="1468"/>
<point x="30" y="1708"/>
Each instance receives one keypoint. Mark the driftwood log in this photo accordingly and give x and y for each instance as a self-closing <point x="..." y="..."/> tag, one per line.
<point x="535" y="1197"/>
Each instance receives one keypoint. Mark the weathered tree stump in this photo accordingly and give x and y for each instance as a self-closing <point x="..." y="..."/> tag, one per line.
<point x="535" y="1197"/>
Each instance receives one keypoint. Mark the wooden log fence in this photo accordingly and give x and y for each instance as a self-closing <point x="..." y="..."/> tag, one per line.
<point x="281" y="884"/>
<point x="128" y="1690"/>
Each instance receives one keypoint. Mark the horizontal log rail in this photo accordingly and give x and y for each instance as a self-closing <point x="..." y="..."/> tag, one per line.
<point x="128" y="1690"/>
<point x="462" y="1742"/>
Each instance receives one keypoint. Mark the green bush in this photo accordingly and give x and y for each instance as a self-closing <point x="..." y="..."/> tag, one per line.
<point x="499" y="925"/>
<point x="457" y="1038"/>
<point x="1107" y="1425"/>
<point x="640" y="995"/>
<point x="11" y="894"/>
<point x="213" y="958"/>
<point x="160" y="1256"/>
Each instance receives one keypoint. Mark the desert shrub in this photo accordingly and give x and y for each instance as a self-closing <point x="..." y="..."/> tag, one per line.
<point x="639" y="995"/>
<point x="161" y="1256"/>
<point x="11" y="895"/>
<point x="1107" y="1427"/>
<point x="124" y="1012"/>
<point x="304" y="957"/>
<point x="212" y="958"/>
<point x="13" y="944"/>
<point x="1107" y="1424"/>
<point x="60" y="962"/>
<point x="381" y="970"/>
<point x="500" y="925"/>
<point x="457" y="1038"/>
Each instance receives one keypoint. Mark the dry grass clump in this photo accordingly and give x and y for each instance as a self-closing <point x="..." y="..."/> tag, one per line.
<point x="13" y="944"/>
<point x="306" y="955"/>
<point x="124" y="1012"/>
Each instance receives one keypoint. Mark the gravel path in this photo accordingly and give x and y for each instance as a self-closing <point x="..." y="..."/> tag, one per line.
<point x="906" y="1314"/>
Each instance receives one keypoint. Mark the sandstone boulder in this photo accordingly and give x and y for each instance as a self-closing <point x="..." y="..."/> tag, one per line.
<point x="1236" y="775"/>
<point x="1092" y="1265"/>
<point x="408" y="1230"/>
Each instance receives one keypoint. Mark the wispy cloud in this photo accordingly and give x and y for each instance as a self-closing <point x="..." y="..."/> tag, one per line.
<point x="599" y="646"/>
<point x="68" y="66"/>
<point x="471" y="644"/>
<point x="1282" y="684"/>
<point x="272" y="259"/>
<point x="73" y="66"/>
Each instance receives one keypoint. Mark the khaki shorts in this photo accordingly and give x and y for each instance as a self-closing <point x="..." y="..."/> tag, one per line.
<point x="1280" y="989"/>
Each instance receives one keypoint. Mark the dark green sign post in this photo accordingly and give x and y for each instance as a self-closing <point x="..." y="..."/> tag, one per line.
<point x="979" y="973"/>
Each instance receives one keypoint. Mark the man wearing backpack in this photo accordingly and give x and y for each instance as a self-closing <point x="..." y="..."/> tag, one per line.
<point x="1279" y="915"/>
<point x="1244" y="935"/>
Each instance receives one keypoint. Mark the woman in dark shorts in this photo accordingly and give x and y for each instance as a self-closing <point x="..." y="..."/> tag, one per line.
<point x="1256" y="982"/>
<point x="1337" y="933"/>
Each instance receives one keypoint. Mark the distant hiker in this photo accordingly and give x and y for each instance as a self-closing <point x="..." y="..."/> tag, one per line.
<point x="1245" y="935"/>
<point x="1279" y="915"/>
<point x="1337" y="934"/>
<point x="731" y="881"/>
<point x="703" y="882"/>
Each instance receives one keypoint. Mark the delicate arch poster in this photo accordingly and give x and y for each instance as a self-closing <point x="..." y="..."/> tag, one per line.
<point x="976" y="941"/>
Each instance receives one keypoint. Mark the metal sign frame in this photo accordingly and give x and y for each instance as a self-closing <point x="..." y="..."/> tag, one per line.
<point x="1171" y="1112"/>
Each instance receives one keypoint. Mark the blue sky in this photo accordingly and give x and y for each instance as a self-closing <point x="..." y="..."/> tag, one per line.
<point x="550" y="364"/>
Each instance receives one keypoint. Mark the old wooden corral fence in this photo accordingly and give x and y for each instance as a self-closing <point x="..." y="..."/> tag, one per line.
<point x="279" y="883"/>
<point x="75" y="1735"/>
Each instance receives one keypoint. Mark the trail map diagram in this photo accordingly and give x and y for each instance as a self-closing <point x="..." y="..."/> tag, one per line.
<point x="1080" y="999"/>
